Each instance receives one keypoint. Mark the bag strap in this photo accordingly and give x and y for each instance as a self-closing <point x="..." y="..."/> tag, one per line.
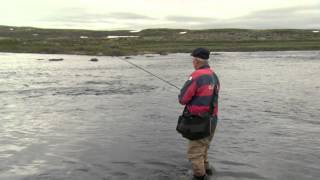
<point x="214" y="93"/>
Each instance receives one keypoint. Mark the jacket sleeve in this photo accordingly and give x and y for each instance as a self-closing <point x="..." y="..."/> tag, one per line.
<point x="188" y="91"/>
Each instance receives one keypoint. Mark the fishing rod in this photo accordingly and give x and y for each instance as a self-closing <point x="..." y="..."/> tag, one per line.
<point x="152" y="74"/>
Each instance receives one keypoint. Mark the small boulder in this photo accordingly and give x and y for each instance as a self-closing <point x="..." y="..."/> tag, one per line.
<point x="162" y="53"/>
<point x="94" y="59"/>
<point x="56" y="59"/>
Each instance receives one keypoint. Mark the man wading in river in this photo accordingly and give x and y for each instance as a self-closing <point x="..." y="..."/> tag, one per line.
<point x="200" y="95"/>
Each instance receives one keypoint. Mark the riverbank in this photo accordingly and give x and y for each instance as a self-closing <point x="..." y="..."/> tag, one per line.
<point x="159" y="41"/>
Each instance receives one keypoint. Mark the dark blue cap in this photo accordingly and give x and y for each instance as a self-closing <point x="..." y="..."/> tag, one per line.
<point x="201" y="53"/>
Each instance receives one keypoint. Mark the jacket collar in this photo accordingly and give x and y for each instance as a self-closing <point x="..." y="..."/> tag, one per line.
<point x="204" y="67"/>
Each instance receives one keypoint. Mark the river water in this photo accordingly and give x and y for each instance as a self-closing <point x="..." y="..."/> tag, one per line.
<point x="108" y="120"/>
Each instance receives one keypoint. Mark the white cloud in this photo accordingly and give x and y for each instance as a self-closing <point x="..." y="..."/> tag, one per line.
<point x="137" y="14"/>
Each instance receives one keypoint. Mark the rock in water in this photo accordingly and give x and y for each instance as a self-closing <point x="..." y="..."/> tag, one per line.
<point x="56" y="59"/>
<point x="163" y="53"/>
<point x="94" y="59"/>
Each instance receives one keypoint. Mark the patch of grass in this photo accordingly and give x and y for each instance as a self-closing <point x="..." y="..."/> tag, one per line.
<point x="34" y="40"/>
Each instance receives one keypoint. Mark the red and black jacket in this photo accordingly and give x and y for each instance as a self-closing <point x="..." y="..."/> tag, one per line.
<point x="197" y="92"/>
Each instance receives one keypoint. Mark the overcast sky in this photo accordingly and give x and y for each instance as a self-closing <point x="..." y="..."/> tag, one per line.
<point x="142" y="14"/>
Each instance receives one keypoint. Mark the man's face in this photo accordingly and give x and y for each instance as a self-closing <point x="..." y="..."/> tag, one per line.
<point x="194" y="62"/>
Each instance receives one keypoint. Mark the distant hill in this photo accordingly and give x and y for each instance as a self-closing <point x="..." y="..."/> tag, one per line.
<point x="125" y="42"/>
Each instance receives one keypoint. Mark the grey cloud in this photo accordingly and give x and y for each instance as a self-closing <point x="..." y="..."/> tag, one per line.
<point x="296" y="17"/>
<point x="79" y="15"/>
<point x="285" y="13"/>
<point x="78" y="19"/>
<point x="186" y="19"/>
<point x="122" y="15"/>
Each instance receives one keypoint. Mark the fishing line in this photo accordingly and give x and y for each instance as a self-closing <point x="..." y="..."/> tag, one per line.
<point x="152" y="74"/>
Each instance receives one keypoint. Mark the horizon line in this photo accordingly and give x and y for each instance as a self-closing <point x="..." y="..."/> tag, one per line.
<point x="49" y="28"/>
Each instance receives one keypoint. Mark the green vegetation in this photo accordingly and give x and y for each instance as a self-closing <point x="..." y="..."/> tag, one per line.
<point x="52" y="41"/>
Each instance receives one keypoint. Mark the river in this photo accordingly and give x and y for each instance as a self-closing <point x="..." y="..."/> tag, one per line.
<point x="107" y="120"/>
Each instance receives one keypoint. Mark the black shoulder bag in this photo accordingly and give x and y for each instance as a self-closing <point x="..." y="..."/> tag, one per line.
<point x="194" y="127"/>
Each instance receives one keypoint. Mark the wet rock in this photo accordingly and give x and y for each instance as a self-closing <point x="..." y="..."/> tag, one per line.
<point x="127" y="57"/>
<point x="163" y="53"/>
<point x="40" y="59"/>
<point x="215" y="54"/>
<point x="56" y="59"/>
<point x="94" y="59"/>
<point x="149" y="56"/>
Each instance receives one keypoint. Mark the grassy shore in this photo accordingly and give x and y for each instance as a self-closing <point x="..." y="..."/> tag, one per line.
<point x="162" y="41"/>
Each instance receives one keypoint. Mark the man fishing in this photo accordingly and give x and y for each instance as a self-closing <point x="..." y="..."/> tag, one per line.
<point x="200" y="96"/>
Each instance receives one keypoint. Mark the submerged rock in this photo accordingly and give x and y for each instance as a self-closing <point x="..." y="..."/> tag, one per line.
<point x="94" y="59"/>
<point x="127" y="57"/>
<point x="56" y="59"/>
